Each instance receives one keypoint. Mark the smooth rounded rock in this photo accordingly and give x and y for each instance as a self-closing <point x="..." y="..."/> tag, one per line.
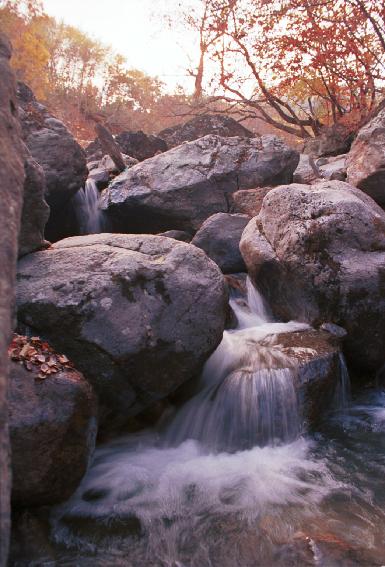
<point x="138" y="315"/>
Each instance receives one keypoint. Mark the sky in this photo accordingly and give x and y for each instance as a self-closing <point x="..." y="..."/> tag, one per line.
<point x="135" y="29"/>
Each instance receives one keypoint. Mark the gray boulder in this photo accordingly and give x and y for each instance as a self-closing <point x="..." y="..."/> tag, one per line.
<point x="318" y="254"/>
<point x="219" y="237"/>
<point x="55" y="149"/>
<point x="201" y="126"/>
<point x="181" y="188"/>
<point x="138" y="315"/>
<point x="52" y="429"/>
<point x="11" y="189"/>
<point x="35" y="210"/>
<point x="366" y="159"/>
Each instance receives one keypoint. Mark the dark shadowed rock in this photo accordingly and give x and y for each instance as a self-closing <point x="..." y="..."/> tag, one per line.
<point x="11" y="190"/>
<point x="201" y="126"/>
<point x="249" y="201"/>
<point x="318" y="254"/>
<point x="219" y="237"/>
<point x="139" y="145"/>
<point x="366" y="160"/>
<point x="138" y="315"/>
<point x="58" y="153"/>
<point x="332" y="141"/>
<point x="181" y="188"/>
<point x="52" y="430"/>
<point x="35" y="210"/>
<point x="177" y="234"/>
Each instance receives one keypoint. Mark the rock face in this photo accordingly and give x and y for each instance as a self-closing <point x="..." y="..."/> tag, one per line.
<point x="58" y="153"/>
<point x="35" y="211"/>
<point x="139" y="145"/>
<point x="318" y="254"/>
<point x="138" y="315"/>
<point x="307" y="171"/>
<point x="366" y="160"/>
<point x="249" y="201"/>
<point x="332" y="141"/>
<point x="52" y="426"/>
<point x="181" y="188"/>
<point x="11" y="188"/>
<point x="219" y="237"/>
<point x="201" y="126"/>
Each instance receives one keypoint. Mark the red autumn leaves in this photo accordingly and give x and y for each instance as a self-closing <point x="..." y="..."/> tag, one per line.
<point x="37" y="356"/>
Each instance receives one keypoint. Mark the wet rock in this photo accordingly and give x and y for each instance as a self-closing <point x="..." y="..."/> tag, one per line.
<point x="55" y="149"/>
<point x="52" y="431"/>
<point x="11" y="189"/>
<point x="249" y="201"/>
<point x="318" y="254"/>
<point x="138" y="315"/>
<point x="307" y="171"/>
<point x="316" y="358"/>
<point x="201" y="126"/>
<point x="35" y="210"/>
<point x="101" y="177"/>
<point x="366" y="159"/>
<point x="219" y="237"/>
<point x="332" y="141"/>
<point x="139" y="145"/>
<point x="181" y="188"/>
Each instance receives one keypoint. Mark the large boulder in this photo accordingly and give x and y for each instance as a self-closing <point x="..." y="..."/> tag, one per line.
<point x="201" y="126"/>
<point x="11" y="190"/>
<point x="219" y="237"/>
<point x="332" y="141"/>
<point x="181" y="188"/>
<point x="318" y="254"/>
<point x="58" y="153"/>
<point x="138" y="315"/>
<point x="139" y="145"/>
<point x="35" y="210"/>
<point x="366" y="160"/>
<point x="52" y="424"/>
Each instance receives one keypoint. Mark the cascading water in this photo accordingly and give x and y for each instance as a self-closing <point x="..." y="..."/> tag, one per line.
<point x="231" y="461"/>
<point x="247" y="395"/>
<point x="86" y="205"/>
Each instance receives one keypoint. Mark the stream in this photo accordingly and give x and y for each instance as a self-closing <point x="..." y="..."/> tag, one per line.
<point x="233" y="478"/>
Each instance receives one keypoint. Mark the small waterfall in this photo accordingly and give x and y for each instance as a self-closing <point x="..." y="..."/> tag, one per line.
<point x="86" y="204"/>
<point x="247" y="394"/>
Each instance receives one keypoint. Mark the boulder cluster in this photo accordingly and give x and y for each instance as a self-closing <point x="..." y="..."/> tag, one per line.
<point x="140" y="308"/>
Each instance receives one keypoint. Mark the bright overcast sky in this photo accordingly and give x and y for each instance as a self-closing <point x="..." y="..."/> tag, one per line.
<point x="134" y="29"/>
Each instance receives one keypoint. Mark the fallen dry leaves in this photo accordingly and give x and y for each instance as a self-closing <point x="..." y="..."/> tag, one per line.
<point x="37" y="356"/>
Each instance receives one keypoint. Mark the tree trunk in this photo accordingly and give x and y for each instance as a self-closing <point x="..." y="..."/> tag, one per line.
<point x="109" y="146"/>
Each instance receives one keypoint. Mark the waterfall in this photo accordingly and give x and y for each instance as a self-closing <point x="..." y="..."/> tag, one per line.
<point x="86" y="204"/>
<point x="247" y="393"/>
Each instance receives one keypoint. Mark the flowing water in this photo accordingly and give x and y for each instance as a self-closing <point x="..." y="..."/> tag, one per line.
<point x="86" y="204"/>
<point x="232" y="479"/>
